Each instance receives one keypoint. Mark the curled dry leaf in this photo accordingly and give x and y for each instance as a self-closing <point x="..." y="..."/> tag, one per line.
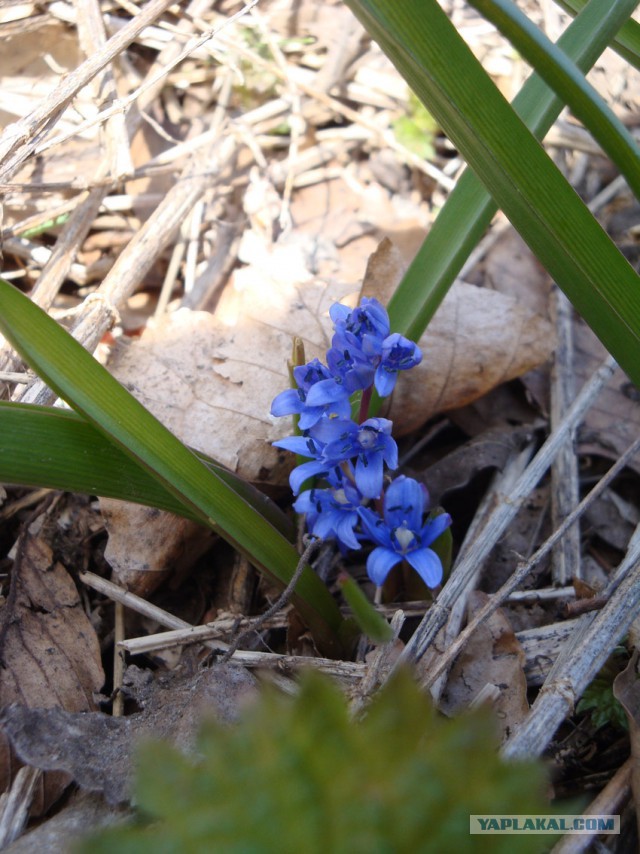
<point x="50" y="653"/>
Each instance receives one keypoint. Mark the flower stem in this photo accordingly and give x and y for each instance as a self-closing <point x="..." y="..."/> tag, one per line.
<point x="365" y="400"/>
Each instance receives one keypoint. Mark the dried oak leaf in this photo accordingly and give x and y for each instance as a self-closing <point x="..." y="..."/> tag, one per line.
<point x="50" y="656"/>
<point x="626" y="689"/>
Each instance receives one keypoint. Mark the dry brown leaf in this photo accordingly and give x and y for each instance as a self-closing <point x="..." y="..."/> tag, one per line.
<point x="489" y="450"/>
<point x="50" y="653"/>
<point x="477" y="340"/>
<point x="613" y="422"/>
<point x="146" y="544"/>
<point x="512" y="269"/>
<point x="494" y="658"/>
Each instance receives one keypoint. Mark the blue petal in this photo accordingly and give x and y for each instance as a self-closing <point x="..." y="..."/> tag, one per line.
<point x="433" y="528"/>
<point x="303" y="472"/>
<point x="326" y="392"/>
<point x="339" y="313"/>
<point x="297" y="444"/>
<point x="369" y="475"/>
<point x="333" y="429"/>
<point x="309" y="417"/>
<point x="379" y="563"/>
<point x="427" y="564"/>
<point x="286" y="403"/>
<point x="390" y="452"/>
<point x="375" y="527"/>
<point x="404" y="502"/>
<point x="312" y="372"/>
<point x="343" y="527"/>
<point x="307" y="501"/>
<point x="385" y="381"/>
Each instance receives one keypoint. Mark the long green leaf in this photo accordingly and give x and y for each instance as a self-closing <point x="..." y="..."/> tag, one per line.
<point x="438" y="65"/>
<point x="57" y="448"/>
<point x="469" y="209"/>
<point x="89" y="388"/>
<point x="626" y="43"/>
<point x="553" y="65"/>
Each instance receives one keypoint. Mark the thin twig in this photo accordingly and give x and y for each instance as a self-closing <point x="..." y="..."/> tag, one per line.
<point x="565" y="488"/>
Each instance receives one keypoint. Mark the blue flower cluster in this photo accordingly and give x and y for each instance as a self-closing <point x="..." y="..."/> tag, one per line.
<point x="351" y="456"/>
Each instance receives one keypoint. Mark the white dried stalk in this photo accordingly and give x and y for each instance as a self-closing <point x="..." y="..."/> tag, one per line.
<point x="541" y="647"/>
<point x="16" y="803"/>
<point x="342" y="669"/>
<point x="93" y="38"/>
<point x="428" y="629"/>
<point x="565" y="490"/>
<point x="581" y="658"/>
<point x="20" y="139"/>
<point x="542" y="594"/>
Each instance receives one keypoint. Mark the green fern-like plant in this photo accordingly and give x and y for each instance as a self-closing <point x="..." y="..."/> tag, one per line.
<point x="299" y="775"/>
<point x="598" y="698"/>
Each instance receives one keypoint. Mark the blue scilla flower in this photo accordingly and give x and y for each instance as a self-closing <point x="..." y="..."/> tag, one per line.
<point x="317" y="394"/>
<point x="401" y="535"/>
<point x="363" y="352"/>
<point x="398" y="354"/>
<point x="369" y="443"/>
<point x="333" y="512"/>
<point x="356" y="346"/>
<point x="363" y="328"/>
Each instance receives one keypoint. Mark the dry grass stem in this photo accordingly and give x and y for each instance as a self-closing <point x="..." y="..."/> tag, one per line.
<point x="609" y="801"/>
<point x="581" y="657"/>
<point x="565" y="487"/>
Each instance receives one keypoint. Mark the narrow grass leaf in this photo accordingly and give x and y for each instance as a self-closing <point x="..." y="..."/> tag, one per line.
<point x="626" y="43"/>
<point x="440" y="68"/>
<point x="468" y="211"/>
<point x="58" y="449"/>
<point x="567" y="81"/>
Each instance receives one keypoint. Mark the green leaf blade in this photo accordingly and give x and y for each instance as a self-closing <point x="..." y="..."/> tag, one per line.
<point x="421" y="41"/>
<point x="553" y="65"/>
